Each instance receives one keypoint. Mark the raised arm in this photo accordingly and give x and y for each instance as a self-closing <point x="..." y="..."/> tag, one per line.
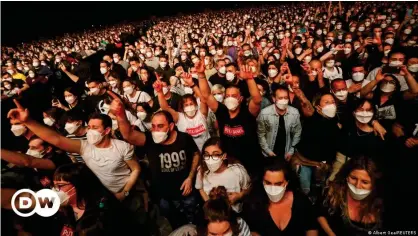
<point x="128" y="133"/>
<point x="163" y="103"/>
<point x="23" y="160"/>
<point x="307" y="107"/>
<point x="412" y="83"/>
<point x="369" y="87"/>
<point x="205" y="89"/>
<point x="255" y="103"/>
<point x="189" y="81"/>
<point x="20" y="115"/>
<point x="69" y="74"/>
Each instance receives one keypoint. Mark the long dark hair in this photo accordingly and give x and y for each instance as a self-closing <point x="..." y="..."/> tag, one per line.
<point x="218" y="209"/>
<point x="258" y="198"/>
<point x="88" y="187"/>
<point x="336" y="192"/>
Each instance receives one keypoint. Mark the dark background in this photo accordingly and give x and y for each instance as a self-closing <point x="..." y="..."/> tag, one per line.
<point x="26" y="21"/>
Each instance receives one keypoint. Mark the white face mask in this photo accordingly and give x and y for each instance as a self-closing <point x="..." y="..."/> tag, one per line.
<point x="70" y="100"/>
<point x="230" y="76"/>
<point x="320" y="49"/>
<point x="356" y="193"/>
<point x="341" y="95"/>
<point x="159" y="136"/>
<point x="148" y="54"/>
<point x="165" y="90"/>
<point x="364" y="116"/>
<point x="347" y="50"/>
<point x="387" y="87"/>
<point x="49" y="121"/>
<point x="63" y="196"/>
<point x="222" y="70"/>
<point x="272" y="73"/>
<point x="389" y="41"/>
<point x="231" y="103"/>
<point x="275" y="193"/>
<point x="34" y="153"/>
<point x="213" y="165"/>
<point x="141" y="115"/>
<point x="113" y="83"/>
<point x="190" y="110"/>
<point x="307" y="59"/>
<point x="219" y="97"/>
<point x="361" y="28"/>
<point x="163" y="64"/>
<point x="330" y="63"/>
<point x="395" y="64"/>
<point x="128" y="90"/>
<point x="413" y="68"/>
<point x="329" y="110"/>
<point x="18" y="130"/>
<point x="71" y="127"/>
<point x="247" y="53"/>
<point x="103" y="70"/>
<point x="298" y="50"/>
<point x="94" y="137"/>
<point x="282" y="104"/>
<point x="94" y="91"/>
<point x="358" y="76"/>
<point x="116" y="60"/>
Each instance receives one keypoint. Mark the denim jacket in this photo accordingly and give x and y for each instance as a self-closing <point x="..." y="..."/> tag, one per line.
<point x="268" y="125"/>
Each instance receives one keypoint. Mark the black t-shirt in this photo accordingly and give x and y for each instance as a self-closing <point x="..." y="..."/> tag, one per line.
<point x="239" y="135"/>
<point x="170" y="164"/>
<point x="319" y="138"/>
<point x="173" y="102"/>
<point x="303" y="219"/>
<point x="95" y="103"/>
<point x="345" y="110"/>
<point x="216" y="79"/>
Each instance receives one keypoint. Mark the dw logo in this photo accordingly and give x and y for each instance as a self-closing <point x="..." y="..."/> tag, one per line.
<point x="45" y="202"/>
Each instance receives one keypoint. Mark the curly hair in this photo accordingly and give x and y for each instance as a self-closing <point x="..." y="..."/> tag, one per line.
<point x="336" y="192"/>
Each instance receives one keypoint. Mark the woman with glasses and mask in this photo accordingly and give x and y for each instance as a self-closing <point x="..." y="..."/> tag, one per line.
<point x="219" y="169"/>
<point x="352" y="204"/>
<point x="276" y="206"/>
<point x="83" y="196"/>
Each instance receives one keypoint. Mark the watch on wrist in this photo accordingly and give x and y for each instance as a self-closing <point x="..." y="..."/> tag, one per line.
<point x="126" y="193"/>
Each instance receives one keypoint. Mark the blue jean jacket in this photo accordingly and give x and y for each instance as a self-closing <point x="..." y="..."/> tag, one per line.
<point x="268" y="125"/>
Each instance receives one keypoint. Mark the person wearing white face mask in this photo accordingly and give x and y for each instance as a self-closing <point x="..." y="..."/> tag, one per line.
<point x="172" y="153"/>
<point x="118" y="60"/>
<point x="193" y="119"/>
<point x="331" y="71"/>
<point x="276" y="206"/>
<point x="359" y="182"/>
<point x="133" y="95"/>
<point x="150" y="59"/>
<point x="218" y="169"/>
<point x="171" y="97"/>
<point x="99" y="148"/>
<point x="84" y="198"/>
<point x="144" y="113"/>
<point x="76" y="130"/>
<point x="40" y="156"/>
<point x="358" y="136"/>
<point x="164" y="69"/>
<point x="236" y="122"/>
<point x="286" y="129"/>
<point x="105" y="69"/>
<point x="318" y="144"/>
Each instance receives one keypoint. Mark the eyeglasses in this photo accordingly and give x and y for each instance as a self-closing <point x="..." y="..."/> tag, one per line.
<point x="214" y="157"/>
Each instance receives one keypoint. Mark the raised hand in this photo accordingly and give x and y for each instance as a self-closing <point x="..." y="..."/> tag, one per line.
<point x="116" y="106"/>
<point x="18" y="115"/>
<point x="200" y="67"/>
<point x="158" y="86"/>
<point x="187" y="79"/>
<point x="245" y="72"/>
<point x="379" y="75"/>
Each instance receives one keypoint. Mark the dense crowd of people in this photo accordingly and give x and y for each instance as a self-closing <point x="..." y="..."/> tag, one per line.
<point x="292" y="119"/>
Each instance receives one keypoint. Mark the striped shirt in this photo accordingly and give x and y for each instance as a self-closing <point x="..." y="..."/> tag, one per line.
<point x="75" y="157"/>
